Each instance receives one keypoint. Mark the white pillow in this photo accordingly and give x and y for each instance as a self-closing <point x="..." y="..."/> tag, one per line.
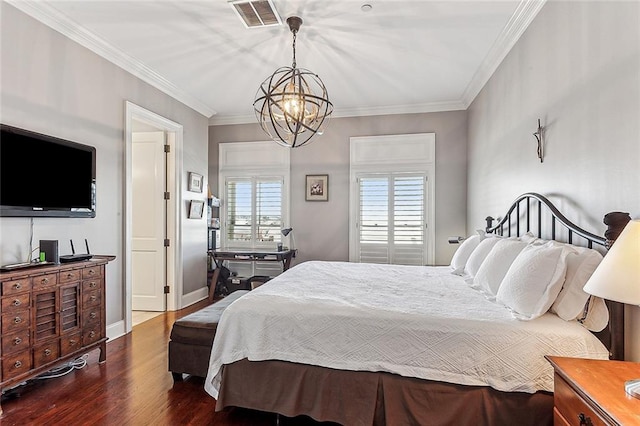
<point x="597" y="315"/>
<point x="460" y="257"/>
<point x="479" y="254"/>
<point x="571" y="301"/>
<point x="534" y="280"/>
<point x="529" y="238"/>
<point x="496" y="264"/>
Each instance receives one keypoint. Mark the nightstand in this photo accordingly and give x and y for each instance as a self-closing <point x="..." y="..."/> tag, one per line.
<point x="591" y="392"/>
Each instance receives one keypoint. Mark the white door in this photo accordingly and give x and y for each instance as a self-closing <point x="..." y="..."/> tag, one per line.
<point x="148" y="221"/>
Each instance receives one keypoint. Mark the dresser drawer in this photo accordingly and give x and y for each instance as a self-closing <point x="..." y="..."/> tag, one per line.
<point x="16" y="286"/>
<point x="16" y="342"/>
<point x="91" y="298"/>
<point x="16" y="321"/>
<point x="91" y="334"/>
<point x="46" y="353"/>
<point x="16" y="364"/>
<point x="16" y="302"/>
<point x="70" y="343"/>
<point x="572" y="408"/>
<point x="45" y="281"/>
<point x="91" y="316"/>
<point x="92" y="272"/>
<point x="69" y="276"/>
<point x="91" y="285"/>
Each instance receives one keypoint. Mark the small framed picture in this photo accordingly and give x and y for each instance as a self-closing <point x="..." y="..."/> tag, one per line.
<point x="196" y="208"/>
<point x="195" y="182"/>
<point x="317" y="188"/>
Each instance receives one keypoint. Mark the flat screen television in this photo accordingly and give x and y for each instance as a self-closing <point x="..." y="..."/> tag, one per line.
<point x="45" y="176"/>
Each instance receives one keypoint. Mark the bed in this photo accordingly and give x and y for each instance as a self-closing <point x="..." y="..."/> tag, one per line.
<point x="363" y="344"/>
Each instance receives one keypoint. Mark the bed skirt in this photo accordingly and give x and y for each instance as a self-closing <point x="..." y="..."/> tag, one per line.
<point x="374" y="398"/>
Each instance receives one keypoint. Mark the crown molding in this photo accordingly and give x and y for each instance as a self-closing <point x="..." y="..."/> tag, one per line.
<point x="526" y="11"/>
<point x="51" y="17"/>
<point x="219" y="120"/>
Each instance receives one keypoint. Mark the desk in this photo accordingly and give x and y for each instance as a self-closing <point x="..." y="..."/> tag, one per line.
<point x="221" y="255"/>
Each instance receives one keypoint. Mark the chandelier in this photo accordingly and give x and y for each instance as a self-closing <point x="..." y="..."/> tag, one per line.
<point x="292" y="105"/>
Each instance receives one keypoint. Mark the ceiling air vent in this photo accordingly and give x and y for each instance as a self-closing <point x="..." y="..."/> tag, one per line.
<point x="257" y="13"/>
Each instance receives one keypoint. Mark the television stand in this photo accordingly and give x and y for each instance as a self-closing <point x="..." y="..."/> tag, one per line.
<point x="17" y="266"/>
<point x="51" y="315"/>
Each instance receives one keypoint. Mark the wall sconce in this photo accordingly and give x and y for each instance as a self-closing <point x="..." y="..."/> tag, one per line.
<point x="539" y="135"/>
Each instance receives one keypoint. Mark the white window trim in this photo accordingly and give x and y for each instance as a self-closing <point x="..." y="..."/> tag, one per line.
<point x="250" y="159"/>
<point x="393" y="153"/>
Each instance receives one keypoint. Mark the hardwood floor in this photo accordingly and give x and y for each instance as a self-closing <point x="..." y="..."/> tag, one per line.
<point x="133" y="387"/>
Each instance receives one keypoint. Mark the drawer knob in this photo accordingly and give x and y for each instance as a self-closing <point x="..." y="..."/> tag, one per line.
<point x="17" y="286"/>
<point x="92" y="284"/>
<point x="17" y="320"/>
<point x="70" y="275"/>
<point x="18" y="364"/>
<point x="17" y="302"/>
<point x="45" y="281"/>
<point x="93" y="315"/>
<point x="72" y="342"/>
<point x="92" y="334"/>
<point x="584" y="420"/>
<point x="93" y="298"/>
<point x="17" y="341"/>
<point x="47" y="352"/>
<point x="91" y="272"/>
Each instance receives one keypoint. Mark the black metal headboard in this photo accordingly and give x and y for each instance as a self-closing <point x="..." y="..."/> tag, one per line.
<point x="527" y="214"/>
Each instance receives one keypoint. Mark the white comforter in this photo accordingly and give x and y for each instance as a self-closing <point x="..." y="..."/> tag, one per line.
<point x="413" y="321"/>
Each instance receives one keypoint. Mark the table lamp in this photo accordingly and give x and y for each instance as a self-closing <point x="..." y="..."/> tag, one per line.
<point x="617" y="278"/>
<point x="286" y="232"/>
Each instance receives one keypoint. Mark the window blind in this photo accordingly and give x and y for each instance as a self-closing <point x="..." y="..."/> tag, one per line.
<point x="391" y="223"/>
<point x="254" y="211"/>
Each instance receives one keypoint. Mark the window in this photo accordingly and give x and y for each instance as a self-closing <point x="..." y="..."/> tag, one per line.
<point x="391" y="209"/>
<point x="254" y="211"/>
<point x="391" y="218"/>
<point x="254" y="191"/>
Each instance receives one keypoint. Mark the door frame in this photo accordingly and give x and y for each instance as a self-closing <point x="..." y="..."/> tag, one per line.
<point x="174" y="133"/>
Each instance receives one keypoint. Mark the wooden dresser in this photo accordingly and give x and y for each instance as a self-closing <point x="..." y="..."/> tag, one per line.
<point x="51" y="314"/>
<point x="591" y="392"/>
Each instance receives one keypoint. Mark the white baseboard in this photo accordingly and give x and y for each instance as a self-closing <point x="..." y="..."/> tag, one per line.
<point x="115" y="330"/>
<point x="194" y="296"/>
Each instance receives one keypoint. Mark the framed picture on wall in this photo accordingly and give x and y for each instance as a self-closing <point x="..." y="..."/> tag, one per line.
<point x="317" y="188"/>
<point x="195" y="182"/>
<point x="196" y="208"/>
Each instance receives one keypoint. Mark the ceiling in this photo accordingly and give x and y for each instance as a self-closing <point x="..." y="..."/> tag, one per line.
<point x="402" y="56"/>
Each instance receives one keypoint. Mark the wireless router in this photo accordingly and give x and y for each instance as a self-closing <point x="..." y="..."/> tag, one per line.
<point x="76" y="257"/>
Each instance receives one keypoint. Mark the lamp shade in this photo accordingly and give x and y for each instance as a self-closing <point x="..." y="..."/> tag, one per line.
<point x="617" y="277"/>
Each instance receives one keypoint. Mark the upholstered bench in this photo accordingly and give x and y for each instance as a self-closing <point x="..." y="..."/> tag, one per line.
<point x="192" y="338"/>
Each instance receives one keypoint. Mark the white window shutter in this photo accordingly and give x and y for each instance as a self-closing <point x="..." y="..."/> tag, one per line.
<point x="391" y="218"/>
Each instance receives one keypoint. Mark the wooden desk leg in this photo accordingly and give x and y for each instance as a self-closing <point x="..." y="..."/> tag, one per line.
<point x="213" y="282"/>
<point x="286" y="262"/>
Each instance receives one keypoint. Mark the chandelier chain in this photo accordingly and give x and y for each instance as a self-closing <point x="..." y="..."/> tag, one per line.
<point x="293" y="65"/>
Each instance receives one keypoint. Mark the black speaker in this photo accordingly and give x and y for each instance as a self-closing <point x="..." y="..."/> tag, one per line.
<point x="50" y="250"/>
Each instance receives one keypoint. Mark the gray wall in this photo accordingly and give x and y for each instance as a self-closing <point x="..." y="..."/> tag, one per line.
<point x="577" y="67"/>
<point x="51" y="85"/>
<point x="322" y="228"/>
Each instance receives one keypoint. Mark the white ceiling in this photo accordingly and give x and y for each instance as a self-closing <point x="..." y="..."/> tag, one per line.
<point x="402" y="56"/>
